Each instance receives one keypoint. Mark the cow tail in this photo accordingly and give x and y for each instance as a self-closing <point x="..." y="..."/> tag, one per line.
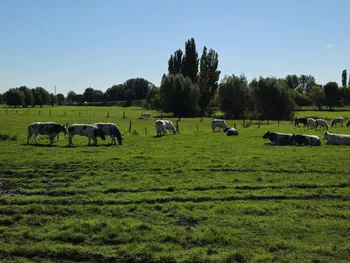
<point x="119" y="136"/>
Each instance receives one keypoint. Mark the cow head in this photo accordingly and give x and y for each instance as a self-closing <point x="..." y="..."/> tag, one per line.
<point x="266" y="135"/>
<point x="100" y="133"/>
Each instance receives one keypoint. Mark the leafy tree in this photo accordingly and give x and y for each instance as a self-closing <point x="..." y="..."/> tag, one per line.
<point x="306" y="82"/>
<point x="53" y="99"/>
<point x="190" y="61"/>
<point x="233" y="96"/>
<point x="301" y="99"/>
<point x="153" y="98"/>
<point x="37" y="97"/>
<point x="115" y="93"/>
<point x="88" y="94"/>
<point x="41" y="96"/>
<point x="344" y="77"/>
<point x="332" y="93"/>
<point x="179" y="95"/>
<point x="345" y="95"/>
<point x="292" y="81"/>
<point x="175" y="62"/>
<point x="71" y="96"/>
<point x="14" y="97"/>
<point x="129" y="96"/>
<point x="79" y="98"/>
<point x="139" y="86"/>
<point x="317" y="96"/>
<point x="97" y="96"/>
<point x="208" y="78"/>
<point x="60" y="98"/>
<point x="1" y="98"/>
<point x="272" y="99"/>
<point x="28" y="96"/>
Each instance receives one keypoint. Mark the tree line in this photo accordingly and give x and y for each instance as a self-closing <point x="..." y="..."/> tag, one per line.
<point x="191" y="87"/>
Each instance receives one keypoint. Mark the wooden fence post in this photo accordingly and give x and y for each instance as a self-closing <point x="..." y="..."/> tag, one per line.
<point x="107" y="116"/>
<point x="50" y="112"/>
<point x="234" y="125"/>
<point x="201" y="118"/>
<point x="123" y="114"/>
<point x="259" y="124"/>
<point x="268" y="122"/>
<point x="39" y="112"/>
<point x="243" y="124"/>
<point x="146" y="130"/>
<point x="197" y="128"/>
<point x="177" y="126"/>
<point x="130" y="126"/>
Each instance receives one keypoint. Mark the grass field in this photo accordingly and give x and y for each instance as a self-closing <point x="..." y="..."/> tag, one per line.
<point x="197" y="196"/>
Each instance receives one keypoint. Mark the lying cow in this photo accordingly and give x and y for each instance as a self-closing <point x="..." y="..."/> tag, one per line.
<point x="146" y="115"/>
<point x="52" y="129"/>
<point x="90" y="131"/>
<point x="160" y="127"/>
<point x="218" y="123"/>
<point x="300" y="120"/>
<point x="336" y="139"/>
<point x="309" y="140"/>
<point x="278" y="138"/>
<point x="231" y="131"/>
<point x="111" y="130"/>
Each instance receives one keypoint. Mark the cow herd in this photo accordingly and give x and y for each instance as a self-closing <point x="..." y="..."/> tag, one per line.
<point x="163" y="127"/>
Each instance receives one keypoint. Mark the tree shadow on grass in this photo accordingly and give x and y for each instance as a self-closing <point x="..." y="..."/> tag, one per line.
<point x="39" y="145"/>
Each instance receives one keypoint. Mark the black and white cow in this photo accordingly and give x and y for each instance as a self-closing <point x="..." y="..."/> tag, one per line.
<point x="52" y="129"/>
<point x="277" y="138"/>
<point x="231" y="131"/>
<point x="111" y="130"/>
<point x="300" y="120"/>
<point x="338" y="120"/>
<point x="87" y="130"/>
<point x="219" y="123"/>
<point x="308" y="140"/>
<point x="336" y="139"/>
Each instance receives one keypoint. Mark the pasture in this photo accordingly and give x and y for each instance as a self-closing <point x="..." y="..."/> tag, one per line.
<point x="197" y="196"/>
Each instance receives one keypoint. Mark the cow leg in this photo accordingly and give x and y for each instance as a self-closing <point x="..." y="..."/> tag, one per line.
<point x="95" y="140"/>
<point x="89" y="141"/>
<point x="36" y="140"/>
<point x="29" y="135"/>
<point x="70" y="140"/>
<point x="52" y="139"/>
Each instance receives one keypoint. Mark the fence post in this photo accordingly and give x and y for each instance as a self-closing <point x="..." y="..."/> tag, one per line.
<point x="243" y="124"/>
<point x="50" y="112"/>
<point x="177" y="126"/>
<point x="107" y="114"/>
<point x="201" y="118"/>
<point x="6" y="111"/>
<point x="130" y="126"/>
<point x="259" y="124"/>
<point x="146" y="130"/>
<point x="39" y="112"/>
<point x="268" y="122"/>
<point x="197" y="128"/>
<point x="234" y="125"/>
<point x="123" y="114"/>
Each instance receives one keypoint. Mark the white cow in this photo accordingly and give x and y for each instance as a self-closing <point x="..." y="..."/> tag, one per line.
<point x="321" y="123"/>
<point x="218" y="123"/>
<point x="52" y="129"/>
<point x="160" y="127"/>
<point x="90" y="131"/>
<point x="337" y="139"/>
<point x="111" y="130"/>
<point x="146" y="115"/>
<point x="338" y="120"/>
<point x="231" y="131"/>
<point x="311" y="123"/>
<point x="169" y="126"/>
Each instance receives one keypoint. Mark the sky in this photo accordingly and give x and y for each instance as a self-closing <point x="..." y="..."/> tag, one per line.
<point x="76" y="44"/>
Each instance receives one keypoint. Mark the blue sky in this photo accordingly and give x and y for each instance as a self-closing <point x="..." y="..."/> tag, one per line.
<point x="75" y="44"/>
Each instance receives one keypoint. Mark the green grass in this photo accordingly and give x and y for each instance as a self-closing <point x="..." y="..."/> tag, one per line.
<point x="197" y="196"/>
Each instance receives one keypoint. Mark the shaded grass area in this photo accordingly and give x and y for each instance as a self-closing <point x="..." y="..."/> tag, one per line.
<point x="193" y="197"/>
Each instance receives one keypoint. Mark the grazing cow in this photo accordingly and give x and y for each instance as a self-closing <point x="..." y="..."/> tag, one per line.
<point x="90" y="131"/>
<point x="303" y="139"/>
<point x="219" y="123"/>
<point x="146" y="115"/>
<point x="337" y="120"/>
<point x="169" y="126"/>
<point x="111" y="130"/>
<point x="300" y="120"/>
<point x="278" y="138"/>
<point x="336" y="139"/>
<point x="231" y="131"/>
<point x="160" y="127"/>
<point x="52" y="129"/>
<point x="321" y="123"/>
<point x="348" y="124"/>
<point x="311" y="123"/>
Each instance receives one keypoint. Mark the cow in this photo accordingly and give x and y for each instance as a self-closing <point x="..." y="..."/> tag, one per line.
<point x="169" y="126"/>
<point x="278" y="138"/>
<point x="160" y="127"/>
<point x="231" y="131"/>
<point x="311" y="123"/>
<point x="338" y="120"/>
<point x="308" y="140"/>
<point x="300" y="120"/>
<point x="146" y="115"/>
<point x="321" y="123"/>
<point x="219" y="123"/>
<point x="111" y="130"/>
<point x="336" y="139"/>
<point x="52" y="129"/>
<point x="90" y="131"/>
